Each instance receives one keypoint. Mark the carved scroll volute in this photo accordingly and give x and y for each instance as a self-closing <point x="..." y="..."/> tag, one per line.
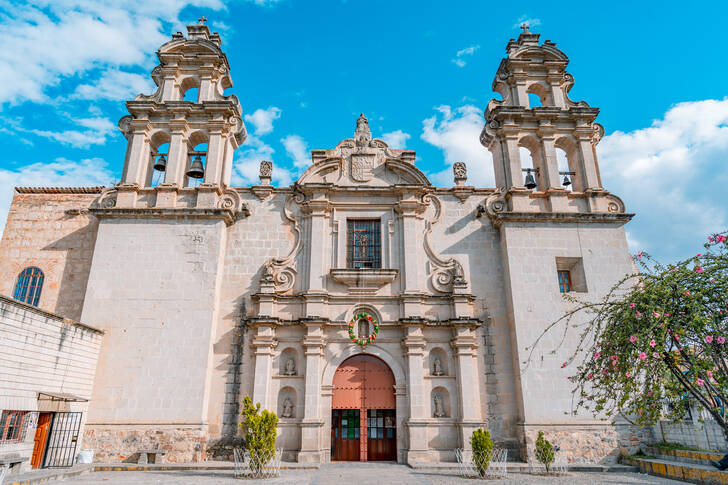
<point x="281" y="272"/>
<point x="446" y="274"/>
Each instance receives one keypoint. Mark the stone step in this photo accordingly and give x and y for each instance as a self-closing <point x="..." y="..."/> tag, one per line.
<point x="522" y="467"/>
<point x="684" y="456"/>
<point x="46" y="475"/>
<point x="687" y="472"/>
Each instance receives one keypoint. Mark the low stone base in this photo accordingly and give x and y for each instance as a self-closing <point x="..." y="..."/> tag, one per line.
<point x="121" y="443"/>
<point x="588" y="443"/>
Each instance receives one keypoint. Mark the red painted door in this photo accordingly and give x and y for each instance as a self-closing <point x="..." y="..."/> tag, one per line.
<point x="364" y="388"/>
<point x="40" y="440"/>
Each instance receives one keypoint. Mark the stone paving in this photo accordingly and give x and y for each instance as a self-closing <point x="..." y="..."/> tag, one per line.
<point x="353" y="474"/>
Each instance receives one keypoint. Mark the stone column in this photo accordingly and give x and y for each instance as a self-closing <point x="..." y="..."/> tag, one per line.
<point x="137" y="154"/>
<point x="464" y="344"/>
<point x="312" y="422"/>
<point x="177" y="157"/>
<point x="318" y="212"/>
<point x="414" y="345"/>
<point x="264" y="342"/>
<point x="513" y="161"/>
<point x="410" y="209"/>
<point x="215" y="154"/>
<point x="207" y="88"/>
<point x="590" y="172"/>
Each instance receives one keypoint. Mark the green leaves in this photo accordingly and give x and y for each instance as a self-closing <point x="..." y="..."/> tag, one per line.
<point x="482" y="447"/>
<point x="260" y="433"/>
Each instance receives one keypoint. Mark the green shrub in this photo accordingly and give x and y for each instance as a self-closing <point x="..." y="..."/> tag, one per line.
<point x="544" y="451"/>
<point x="260" y="434"/>
<point x="482" y="447"/>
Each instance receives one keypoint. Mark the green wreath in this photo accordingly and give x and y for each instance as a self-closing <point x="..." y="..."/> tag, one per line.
<point x="371" y="338"/>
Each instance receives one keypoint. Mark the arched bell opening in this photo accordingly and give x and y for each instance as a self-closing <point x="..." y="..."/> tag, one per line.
<point x="196" y="159"/>
<point x="530" y="154"/>
<point x="568" y="155"/>
<point x="538" y="95"/>
<point x="363" y="411"/>
<point x="189" y="89"/>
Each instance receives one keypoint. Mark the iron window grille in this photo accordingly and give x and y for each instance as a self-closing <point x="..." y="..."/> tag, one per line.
<point x="564" y="281"/>
<point x="29" y="286"/>
<point x="364" y="249"/>
<point x="13" y="425"/>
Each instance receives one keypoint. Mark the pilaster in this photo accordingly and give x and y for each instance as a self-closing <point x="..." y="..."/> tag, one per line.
<point x="263" y="344"/>
<point x="464" y="345"/>
<point x="311" y="425"/>
<point x="414" y="346"/>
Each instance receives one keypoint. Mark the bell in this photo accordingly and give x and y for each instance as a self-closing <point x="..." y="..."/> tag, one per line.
<point x="530" y="182"/>
<point x="196" y="170"/>
<point x="566" y="181"/>
<point x="161" y="164"/>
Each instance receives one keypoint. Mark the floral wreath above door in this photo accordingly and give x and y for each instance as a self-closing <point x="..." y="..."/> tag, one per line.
<point x="360" y="329"/>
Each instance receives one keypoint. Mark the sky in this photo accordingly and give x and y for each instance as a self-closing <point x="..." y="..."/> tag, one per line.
<point x="420" y="71"/>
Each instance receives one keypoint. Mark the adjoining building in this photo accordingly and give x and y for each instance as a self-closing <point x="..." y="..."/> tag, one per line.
<point x="381" y="317"/>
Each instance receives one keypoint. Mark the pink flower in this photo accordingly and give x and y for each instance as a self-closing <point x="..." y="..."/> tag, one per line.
<point x="655" y="314"/>
<point x="677" y="337"/>
<point x="597" y="355"/>
<point x="653" y="343"/>
<point x="721" y="340"/>
<point x="698" y="254"/>
<point x="627" y="374"/>
<point x="605" y="371"/>
<point x="700" y="382"/>
<point x="590" y="376"/>
<point x="698" y="269"/>
<point x="631" y="305"/>
<point x="710" y="373"/>
<point x="639" y="411"/>
<point x="649" y="393"/>
<point x="613" y="357"/>
<point x="668" y="314"/>
<point x="708" y="339"/>
<point x="563" y="365"/>
<point x="637" y="314"/>
<point x="614" y="362"/>
<point x="643" y="356"/>
<point x="710" y="239"/>
<point x="656" y="355"/>
<point x="633" y="338"/>
<point x="720" y="238"/>
<point x="639" y="255"/>
<point x="687" y="293"/>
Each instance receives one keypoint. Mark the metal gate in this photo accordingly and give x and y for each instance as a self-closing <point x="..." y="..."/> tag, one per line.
<point x="61" y="450"/>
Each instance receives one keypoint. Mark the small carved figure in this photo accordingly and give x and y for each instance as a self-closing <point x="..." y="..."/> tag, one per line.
<point x="268" y="274"/>
<point x="439" y="408"/>
<point x="287" y="408"/>
<point x="460" y="172"/>
<point x="266" y="172"/>
<point x="362" y="135"/>
<point x="363" y="329"/>
<point x="437" y="367"/>
<point x="290" y="367"/>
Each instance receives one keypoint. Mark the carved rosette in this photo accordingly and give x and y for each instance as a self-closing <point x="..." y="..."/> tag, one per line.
<point x="105" y="200"/>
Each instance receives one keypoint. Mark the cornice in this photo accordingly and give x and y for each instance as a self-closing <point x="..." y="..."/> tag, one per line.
<point x="226" y="215"/>
<point x="500" y="218"/>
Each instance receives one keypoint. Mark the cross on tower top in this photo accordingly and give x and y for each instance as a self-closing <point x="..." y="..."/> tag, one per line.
<point x="524" y="26"/>
<point x="202" y="19"/>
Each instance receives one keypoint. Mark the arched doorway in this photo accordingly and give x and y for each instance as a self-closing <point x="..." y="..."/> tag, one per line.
<point x="363" y="411"/>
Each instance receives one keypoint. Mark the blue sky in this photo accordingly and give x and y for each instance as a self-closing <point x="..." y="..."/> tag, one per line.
<point x="420" y="71"/>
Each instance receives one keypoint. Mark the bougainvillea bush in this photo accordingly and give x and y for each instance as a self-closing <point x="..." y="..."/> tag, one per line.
<point x="657" y="338"/>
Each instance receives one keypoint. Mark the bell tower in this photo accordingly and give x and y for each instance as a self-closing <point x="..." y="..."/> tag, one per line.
<point x="514" y="127"/>
<point x="176" y="143"/>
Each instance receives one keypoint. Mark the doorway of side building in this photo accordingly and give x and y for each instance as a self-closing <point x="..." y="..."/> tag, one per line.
<point x="41" y="439"/>
<point x="363" y="411"/>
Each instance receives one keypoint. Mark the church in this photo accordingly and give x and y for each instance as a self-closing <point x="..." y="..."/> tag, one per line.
<point x="381" y="317"/>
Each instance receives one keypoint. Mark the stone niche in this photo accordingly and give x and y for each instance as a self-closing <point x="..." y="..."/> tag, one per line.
<point x="438" y="361"/>
<point x="440" y="403"/>
<point x="288" y="363"/>
<point x="287" y="403"/>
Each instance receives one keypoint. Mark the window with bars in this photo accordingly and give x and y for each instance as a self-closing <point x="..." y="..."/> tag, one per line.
<point x="12" y="427"/>
<point x="29" y="286"/>
<point x="363" y="243"/>
<point x="564" y="281"/>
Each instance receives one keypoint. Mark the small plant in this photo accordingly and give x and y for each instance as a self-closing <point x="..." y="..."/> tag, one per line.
<point x="260" y="434"/>
<point x="482" y="447"/>
<point x="544" y="451"/>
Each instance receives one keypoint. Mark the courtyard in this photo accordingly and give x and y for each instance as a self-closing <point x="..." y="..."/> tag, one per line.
<point x="353" y="473"/>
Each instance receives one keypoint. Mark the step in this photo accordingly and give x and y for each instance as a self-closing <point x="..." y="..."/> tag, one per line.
<point x="687" y="472"/>
<point x="202" y="465"/>
<point x="684" y="456"/>
<point x="46" y="475"/>
<point x="522" y="467"/>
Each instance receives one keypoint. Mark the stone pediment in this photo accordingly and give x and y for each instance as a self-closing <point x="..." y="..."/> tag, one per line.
<point x="363" y="161"/>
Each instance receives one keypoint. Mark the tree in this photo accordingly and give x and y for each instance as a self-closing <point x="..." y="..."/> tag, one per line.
<point x="260" y="434"/>
<point x="482" y="447"/>
<point x="544" y="451"/>
<point x="657" y="337"/>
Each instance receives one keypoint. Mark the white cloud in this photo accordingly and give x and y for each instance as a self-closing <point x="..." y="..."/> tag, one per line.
<point x="45" y="41"/>
<point x="263" y="119"/>
<point x="396" y="139"/>
<point x="460" y="56"/>
<point x="457" y="133"/>
<point x="59" y="173"/>
<point x="297" y="148"/>
<point x="672" y="175"/>
<point x="97" y="129"/>
<point x="524" y="19"/>
<point x="247" y="164"/>
<point x="115" y="85"/>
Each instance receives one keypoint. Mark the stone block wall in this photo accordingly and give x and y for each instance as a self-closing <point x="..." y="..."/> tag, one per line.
<point x="51" y="229"/>
<point x="693" y="434"/>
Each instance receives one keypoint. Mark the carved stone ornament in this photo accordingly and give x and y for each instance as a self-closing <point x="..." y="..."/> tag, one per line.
<point x="290" y="369"/>
<point x="125" y="124"/>
<point x="439" y="408"/>
<point x="460" y="173"/>
<point x="597" y="134"/>
<point x="282" y="271"/>
<point x="362" y="135"/>
<point x="287" y="408"/>
<point x="362" y="167"/>
<point x="231" y="200"/>
<point x="106" y="200"/>
<point x="446" y="273"/>
<point x="266" y="168"/>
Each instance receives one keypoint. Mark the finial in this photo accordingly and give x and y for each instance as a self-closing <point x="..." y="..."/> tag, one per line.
<point x="202" y="20"/>
<point x="362" y="135"/>
<point x="524" y="26"/>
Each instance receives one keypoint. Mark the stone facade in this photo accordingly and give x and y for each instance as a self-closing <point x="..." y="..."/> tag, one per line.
<point x="48" y="365"/>
<point x="207" y="292"/>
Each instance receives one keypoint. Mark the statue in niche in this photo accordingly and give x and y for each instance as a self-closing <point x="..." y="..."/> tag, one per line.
<point x="287" y="408"/>
<point x="290" y="369"/>
<point x="437" y="367"/>
<point x="439" y="408"/>
<point x="363" y="329"/>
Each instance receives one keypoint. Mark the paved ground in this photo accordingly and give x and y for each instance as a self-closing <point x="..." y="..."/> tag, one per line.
<point x="352" y="474"/>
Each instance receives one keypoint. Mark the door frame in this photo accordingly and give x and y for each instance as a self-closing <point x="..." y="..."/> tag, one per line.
<point x="39" y="448"/>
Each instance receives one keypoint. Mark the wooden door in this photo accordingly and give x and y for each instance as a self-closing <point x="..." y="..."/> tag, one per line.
<point x="381" y="435"/>
<point x="345" y="434"/>
<point x="40" y="440"/>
